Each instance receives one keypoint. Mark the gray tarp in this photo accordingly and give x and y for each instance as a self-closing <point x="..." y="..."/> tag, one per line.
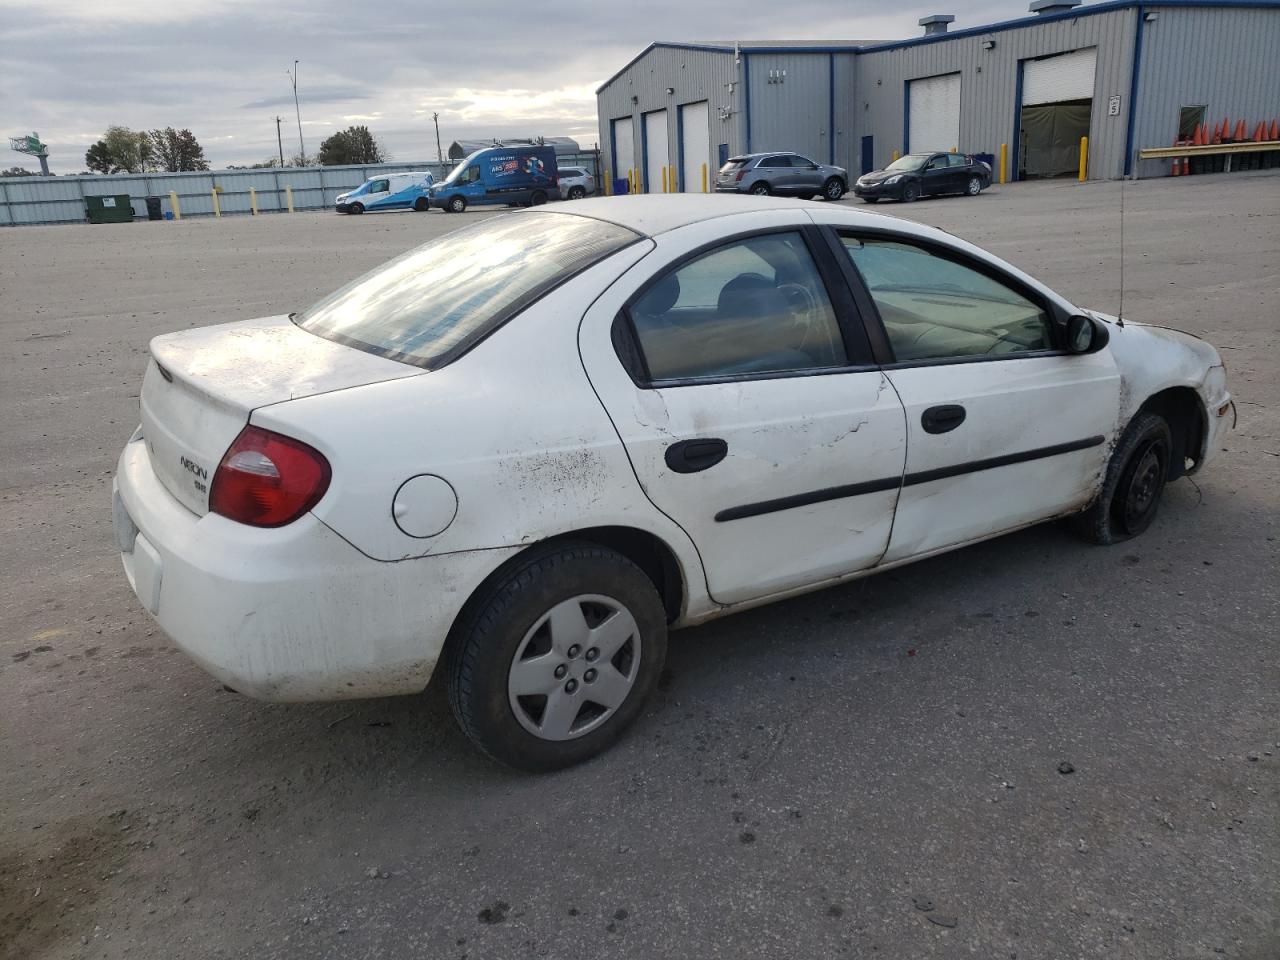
<point x="1051" y="135"/>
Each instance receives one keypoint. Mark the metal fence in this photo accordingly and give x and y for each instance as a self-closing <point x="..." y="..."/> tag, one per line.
<point x="33" y="200"/>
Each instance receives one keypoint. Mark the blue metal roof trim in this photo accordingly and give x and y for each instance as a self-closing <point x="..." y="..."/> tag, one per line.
<point x="1107" y="7"/>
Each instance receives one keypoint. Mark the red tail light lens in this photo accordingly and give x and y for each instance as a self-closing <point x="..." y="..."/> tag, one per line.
<point x="267" y="479"/>
<point x="741" y="173"/>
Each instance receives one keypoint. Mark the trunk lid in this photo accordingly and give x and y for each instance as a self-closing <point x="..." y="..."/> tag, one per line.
<point x="202" y="385"/>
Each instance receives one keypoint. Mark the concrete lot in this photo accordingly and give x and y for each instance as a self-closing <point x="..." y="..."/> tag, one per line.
<point x="808" y="777"/>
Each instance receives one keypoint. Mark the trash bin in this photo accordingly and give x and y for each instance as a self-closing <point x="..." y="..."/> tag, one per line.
<point x="117" y="209"/>
<point x="154" y="211"/>
<point x="990" y="160"/>
<point x="621" y="185"/>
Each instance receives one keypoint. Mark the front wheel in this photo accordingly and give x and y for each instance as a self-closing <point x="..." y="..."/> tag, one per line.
<point x="457" y="204"/>
<point x="356" y="208"/>
<point x="833" y="189"/>
<point x="556" y="657"/>
<point x="421" y="204"/>
<point x="538" y="199"/>
<point x="911" y="193"/>
<point x="974" y="187"/>
<point x="1133" y="484"/>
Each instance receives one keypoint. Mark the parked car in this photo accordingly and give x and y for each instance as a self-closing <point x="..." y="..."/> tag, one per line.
<point x="512" y="175"/>
<point x="576" y="183"/>
<point x="388" y="191"/>
<point x="521" y="453"/>
<point x="781" y="174"/>
<point x="924" y="175"/>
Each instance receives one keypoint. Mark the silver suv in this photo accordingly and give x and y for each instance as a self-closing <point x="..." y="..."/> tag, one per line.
<point x="784" y="174"/>
<point x="576" y="183"/>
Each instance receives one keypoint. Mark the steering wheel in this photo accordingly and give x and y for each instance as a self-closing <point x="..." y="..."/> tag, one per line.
<point x="806" y="314"/>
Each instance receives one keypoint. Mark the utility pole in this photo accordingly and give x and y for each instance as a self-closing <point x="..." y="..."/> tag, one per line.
<point x="279" y="141"/>
<point x="293" y="75"/>
<point x="439" y="152"/>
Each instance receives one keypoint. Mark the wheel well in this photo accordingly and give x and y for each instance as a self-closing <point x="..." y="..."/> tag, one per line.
<point x="1181" y="409"/>
<point x="647" y="552"/>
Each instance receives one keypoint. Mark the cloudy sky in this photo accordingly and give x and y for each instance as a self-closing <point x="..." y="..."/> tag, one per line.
<point x="70" y="68"/>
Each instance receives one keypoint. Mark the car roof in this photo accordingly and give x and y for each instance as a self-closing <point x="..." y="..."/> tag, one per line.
<point x="653" y="214"/>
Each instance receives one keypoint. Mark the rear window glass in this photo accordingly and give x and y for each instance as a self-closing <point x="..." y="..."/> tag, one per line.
<point x="734" y="164"/>
<point x="429" y="305"/>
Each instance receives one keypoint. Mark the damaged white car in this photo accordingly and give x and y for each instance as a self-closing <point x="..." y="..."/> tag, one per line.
<point x="521" y="454"/>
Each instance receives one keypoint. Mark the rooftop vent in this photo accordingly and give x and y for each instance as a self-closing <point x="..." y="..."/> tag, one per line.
<point x="1048" y="7"/>
<point x="937" y="23"/>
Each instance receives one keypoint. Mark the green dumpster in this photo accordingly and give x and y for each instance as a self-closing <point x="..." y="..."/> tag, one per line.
<point x="117" y="209"/>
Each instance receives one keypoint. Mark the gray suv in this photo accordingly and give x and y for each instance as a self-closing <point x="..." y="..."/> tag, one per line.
<point x="784" y="174"/>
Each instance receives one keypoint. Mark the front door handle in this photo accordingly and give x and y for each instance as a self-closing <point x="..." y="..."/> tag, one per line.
<point x="690" y="456"/>
<point x="942" y="419"/>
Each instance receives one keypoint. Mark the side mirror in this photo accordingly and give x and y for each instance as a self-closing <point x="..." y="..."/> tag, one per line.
<point x="1085" y="334"/>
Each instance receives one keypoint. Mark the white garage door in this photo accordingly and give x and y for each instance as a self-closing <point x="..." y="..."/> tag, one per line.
<point x="1068" y="76"/>
<point x="934" y="120"/>
<point x="657" y="149"/>
<point x="624" y="148"/>
<point x="695" y="147"/>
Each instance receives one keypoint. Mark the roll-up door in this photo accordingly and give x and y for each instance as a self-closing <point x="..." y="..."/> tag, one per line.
<point x="1056" y="110"/>
<point x="933" y="119"/>
<point x="1057" y="79"/>
<point x="624" y="148"/>
<point x="656" y="149"/>
<point x="695" y="148"/>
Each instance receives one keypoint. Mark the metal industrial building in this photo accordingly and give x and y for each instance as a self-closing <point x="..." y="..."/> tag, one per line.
<point x="1128" y="74"/>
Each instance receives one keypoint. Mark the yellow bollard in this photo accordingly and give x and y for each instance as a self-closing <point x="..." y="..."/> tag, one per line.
<point x="173" y="205"/>
<point x="217" y="207"/>
<point x="253" y="201"/>
<point x="608" y="185"/>
<point x="955" y="149"/>
<point x="1004" y="163"/>
<point x="895" y="157"/>
<point x="1084" y="158"/>
<point x="704" y="178"/>
<point x="288" y="196"/>
<point x="664" y="179"/>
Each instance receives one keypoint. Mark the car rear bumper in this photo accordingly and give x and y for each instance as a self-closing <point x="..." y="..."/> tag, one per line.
<point x="290" y="614"/>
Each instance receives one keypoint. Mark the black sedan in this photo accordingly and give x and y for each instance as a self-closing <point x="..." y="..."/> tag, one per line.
<point x="924" y="175"/>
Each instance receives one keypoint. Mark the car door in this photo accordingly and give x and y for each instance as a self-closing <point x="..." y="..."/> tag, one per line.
<point x="935" y="177"/>
<point x="777" y="171"/>
<point x="1003" y="427"/>
<point x="379" y="190"/>
<point x="740" y="382"/>
<point x="808" y="176"/>
<point x="960" y="169"/>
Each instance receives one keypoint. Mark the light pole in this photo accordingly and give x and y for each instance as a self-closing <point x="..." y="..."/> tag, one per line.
<point x="439" y="153"/>
<point x="279" y="141"/>
<point x="293" y="75"/>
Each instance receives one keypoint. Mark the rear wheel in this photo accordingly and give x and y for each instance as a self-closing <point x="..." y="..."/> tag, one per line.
<point x="557" y="656"/>
<point x="577" y="193"/>
<point x="870" y="199"/>
<point x="457" y="204"/>
<point x="911" y="193"/>
<point x="974" y="187"/>
<point x="1133" y="484"/>
<point x="538" y="198"/>
<point x="421" y="204"/>
<point x="833" y="189"/>
<point x="761" y="189"/>
<point x="356" y="208"/>
<point x="805" y="196"/>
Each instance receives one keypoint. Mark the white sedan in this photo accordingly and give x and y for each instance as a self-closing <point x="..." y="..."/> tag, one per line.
<point x="526" y="451"/>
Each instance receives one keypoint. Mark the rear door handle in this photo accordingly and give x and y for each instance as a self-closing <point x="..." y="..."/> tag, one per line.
<point x="942" y="419"/>
<point x="690" y="456"/>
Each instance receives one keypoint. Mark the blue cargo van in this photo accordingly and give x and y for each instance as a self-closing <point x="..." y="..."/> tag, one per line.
<point x="387" y="191"/>
<point x="511" y="175"/>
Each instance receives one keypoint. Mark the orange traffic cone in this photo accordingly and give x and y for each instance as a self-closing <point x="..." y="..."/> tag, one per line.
<point x="1275" y="130"/>
<point x="1240" y="134"/>
<point x="1217" y="134"/>
<point x="1176" y="170"/>
<point x="1260" y="132"/>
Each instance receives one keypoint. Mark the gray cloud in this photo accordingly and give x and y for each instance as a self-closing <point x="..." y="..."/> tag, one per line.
<point x="218" y="66"/>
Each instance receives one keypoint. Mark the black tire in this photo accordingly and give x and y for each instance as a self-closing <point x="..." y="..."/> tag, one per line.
<point x="538" y="198"/>
<point x="833" y="189"/>
<point x="577" y="193"/>
<point x="911" y="193"/>
<point x="421" y="204"/>
<point x="456" y="204"/>
<point x="974" y="186"/>
<point x="1133" y="485"/>
<point x="806" y="196"/>
<point x="761" y="189"/>
<point x="356" y="208"/>
<point x="488" y="636"/>
<point x="870" y="199"/>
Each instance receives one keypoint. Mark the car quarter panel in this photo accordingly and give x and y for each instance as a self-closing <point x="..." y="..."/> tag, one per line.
<point x="513" y="427"/>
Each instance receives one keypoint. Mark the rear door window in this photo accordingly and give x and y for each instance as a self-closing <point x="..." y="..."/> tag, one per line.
<point x="753" y="306"/>
<point x="433" y="303"/>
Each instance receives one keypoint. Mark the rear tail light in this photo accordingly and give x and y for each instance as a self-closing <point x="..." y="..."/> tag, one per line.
<point x="741" y="173"/>
<point x="267" y="479"/>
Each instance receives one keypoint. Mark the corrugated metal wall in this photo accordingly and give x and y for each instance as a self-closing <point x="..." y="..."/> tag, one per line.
<point x="988" y="105"/>
<point x="30" y="200"/>
<point x="1226" y="59"/>
<point x="849" y="112"/>
<point x="695" y="75"/>
<point x="791" y="112"/>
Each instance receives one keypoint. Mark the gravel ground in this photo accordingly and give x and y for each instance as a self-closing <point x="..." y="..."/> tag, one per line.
<point x="878" y="770"/>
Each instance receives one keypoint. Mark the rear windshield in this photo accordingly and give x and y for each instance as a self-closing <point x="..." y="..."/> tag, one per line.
<point x="431" y="304"/>
<point x="734" y="164"/>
